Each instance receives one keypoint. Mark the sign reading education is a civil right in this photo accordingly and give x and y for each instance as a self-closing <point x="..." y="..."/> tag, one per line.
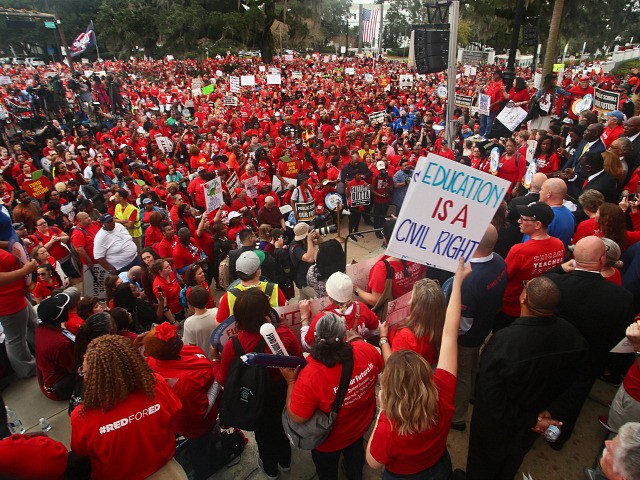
<point x="445" y="212"/>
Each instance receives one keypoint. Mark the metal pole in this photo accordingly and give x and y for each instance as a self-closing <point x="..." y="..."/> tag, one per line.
<point x="381" y="27"/>
<point x="510" y="71"/>
<point x="454" y="11"/>
<point x="96" y="37"/>
<point x="64" y="43"/>
<point x="346" y="50"/>
<point x="360" y="28"/>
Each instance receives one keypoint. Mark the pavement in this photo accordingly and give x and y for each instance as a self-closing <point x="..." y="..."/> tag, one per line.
<point x="25" y="397"/>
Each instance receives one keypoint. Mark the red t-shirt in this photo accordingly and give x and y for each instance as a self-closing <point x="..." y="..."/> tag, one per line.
<point x="610" y="134"/>
<point x="548" y="163"/>
<point x="29" y="456"/>
<point x="84" y="236"/>
<point x="366" y="319"/>
<point x="54" y="358"/>
<point x="183" y="256"/>
<point x="56" y="250"/>
<point x="585" y="228"/>
<point x="512" y="170"/>
<point x="165" y="248"/>
<point x="526" y="261"/>
<point x="405" y="339"/>
<point x="170" y="290"/>
<point x="134" y="438"/>
<point x="43" y="290"/>
<point x="412" y="453"/>
<point x="191" y="376"/>
<point x="632" y="382"/>
<point x="12" y="295"/>
<point x="316" y="389"/>
<point x="401" y="284"/>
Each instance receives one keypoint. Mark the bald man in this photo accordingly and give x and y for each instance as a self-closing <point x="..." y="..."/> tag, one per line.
<point x="270" y="214"/>
<point x="82" y="237"/>
<point x="563" y="225"/>
<point x="482" y="295"/>
<point x="533" y="195"/>
<point x="598" y="308"/>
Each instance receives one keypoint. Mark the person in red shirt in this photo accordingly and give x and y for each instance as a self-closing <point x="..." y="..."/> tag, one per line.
<point x="546" y="159"/>
<point x="195" y="190"/>
<point x="614" y="128"/>
<point x="519" y="94"/>
<point x="577" y="93"/>
<point x="186" y="251"/>
<point x="165" y="285"/>
<point x="165" y="248"/>
<point x="47" y="282"/>
<point x="512" y="165"/>
<point x="82" y="237"/>
<point x="250" y="310"/>
<point x="125" y="422"/>
<point x="54" y="350"/>
<point x="192" y="377"/>
<point x="315" y="387"/>
<point x="495" y="90"/>
<point x="415" y="445"/>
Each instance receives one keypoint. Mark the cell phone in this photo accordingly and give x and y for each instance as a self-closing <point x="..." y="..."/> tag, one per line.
<point x="159" y="289"/>
<point x="631" y="197"/>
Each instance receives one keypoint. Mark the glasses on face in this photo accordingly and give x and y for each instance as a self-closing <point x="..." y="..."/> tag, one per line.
<point x="41" y="224"/>
<point x="525" y="219"/>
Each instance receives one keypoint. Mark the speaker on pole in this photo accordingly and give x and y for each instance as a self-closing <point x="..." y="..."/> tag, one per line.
<point x="431" y="45"/>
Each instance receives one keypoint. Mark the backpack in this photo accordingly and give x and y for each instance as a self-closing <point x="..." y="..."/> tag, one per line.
<point x="183" y="297"/>
<point x="284" y="274"/>
<point x="245" y="392"/>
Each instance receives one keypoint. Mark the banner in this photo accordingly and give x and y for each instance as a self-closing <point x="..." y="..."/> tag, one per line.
<point x="232" y="184"/>
<point x="377" y="117"/>
<point x="512" y="116"/>
<point x="406" y="81"/>
<point x="93" y="277"/>
<point x="306" y="211"/>
<point x="251" y="186"/>
<point x="360" y="195"/>
<point x="165" y="144"/>
<point x="234" y="84"/>
<point x="464" y="101"/>
<point x="605" y="101"/>
<point x="85" y="40"/>
<point x="213" y="194"/>
<point x="484" y="104"/>
<point x="445" y="212"/>
<point x="288" y="57"/>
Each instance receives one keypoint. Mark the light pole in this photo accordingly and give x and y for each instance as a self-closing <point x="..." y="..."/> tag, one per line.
<point x="510" y="72"/>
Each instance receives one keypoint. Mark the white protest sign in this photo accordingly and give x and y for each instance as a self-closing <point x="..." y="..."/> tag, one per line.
<point x="537" y="80"/>
<point x="213" y="194"/>
<point x="251" y="186"/>
<point x="196" y="83"/>
<point x="288" y="57"/>
<point x="277" y="185"/>
<point x="262" y="68"/>
<point x="531" y="150"/>
<point x="359" y="272"/>
<point x="88" y="73"/>
<point x="512" y="116"/>
<point x="230" y="101"/>
<point x="165" y="144"/>
<point x="196" y="92"/>
<point x="350" y="71"/>
<point x="334" y="57"/>
<point x="170" y="58"/>
<point x="325" y="59"/>
<point x="624" y="346"/>
<point x="473" y="72"/>
<point x="219" y="73"/>
<point x="274" y="71"/>
<point x="360" y="195"/>
<point x="467" y="70"/>
<point x="445" y="212"/>
<point x="406" y="81"/>
<point x="274" y="79"/>
<point x="247" y="80"/>
<point x="377" y="117"/>
<point x="296" y="75"/>
<point x="368" y="77"/>
<point x="306" y="211"/>
<point x="484" y="103"/>
<point x="234" y="84"/>
<point x="68" y="210"/>
<point x="93" y="277"/>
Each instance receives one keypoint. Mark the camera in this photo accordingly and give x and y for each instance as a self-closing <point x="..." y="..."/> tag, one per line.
<point x="322" y="231"/>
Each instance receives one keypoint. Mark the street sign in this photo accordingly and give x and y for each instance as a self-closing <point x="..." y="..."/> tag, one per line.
<point x="49" y="24"/>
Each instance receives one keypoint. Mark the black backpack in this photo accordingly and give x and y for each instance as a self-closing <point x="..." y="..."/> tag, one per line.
<point x="245" y="391"/>
<point x="284" y="273"/>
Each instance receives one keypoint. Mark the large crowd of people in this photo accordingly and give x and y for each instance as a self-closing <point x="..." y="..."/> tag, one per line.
<point x="129" y="196"/>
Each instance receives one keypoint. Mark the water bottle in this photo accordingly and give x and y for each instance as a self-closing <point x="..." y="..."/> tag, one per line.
<point x="45" y="426"/>
<point x="552" y="433"/>
<point x="15" y="424"/>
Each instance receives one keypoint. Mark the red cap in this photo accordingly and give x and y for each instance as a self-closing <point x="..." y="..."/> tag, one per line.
<point x="584" y="78"/>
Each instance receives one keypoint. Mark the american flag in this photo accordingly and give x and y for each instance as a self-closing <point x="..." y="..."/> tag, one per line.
<point x="368" y="24"/>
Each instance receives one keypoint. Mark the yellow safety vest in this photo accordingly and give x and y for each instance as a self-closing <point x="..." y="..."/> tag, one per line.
<point x="231" y="295"/>
<point x="125" y="214"/>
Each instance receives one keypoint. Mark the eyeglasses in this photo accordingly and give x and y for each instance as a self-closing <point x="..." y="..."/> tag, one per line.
<point x="524" y="219"/>
<point x="40" y="224"/>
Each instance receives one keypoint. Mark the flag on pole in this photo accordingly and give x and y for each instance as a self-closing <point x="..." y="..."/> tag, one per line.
<point x="368" y="24"/>
<point x="86" y="39"/>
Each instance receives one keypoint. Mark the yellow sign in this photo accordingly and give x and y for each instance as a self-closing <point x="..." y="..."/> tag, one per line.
<point x="558" y="67"/>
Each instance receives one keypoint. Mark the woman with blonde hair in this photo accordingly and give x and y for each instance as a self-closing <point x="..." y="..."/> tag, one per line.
<point x="421" y="331"/>
<point x="613" y="166"/>
<point x="416" y="405"/>
<point x="124" y="422"/>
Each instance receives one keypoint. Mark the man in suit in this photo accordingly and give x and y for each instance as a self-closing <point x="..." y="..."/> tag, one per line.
<point x="533" y="195"/>
<point x="590" y="142"/>
<point x="598" y="308"/>
<point x="595" y="178"/>
<point x="632" y="132"/>
<point x="529" y="376"/>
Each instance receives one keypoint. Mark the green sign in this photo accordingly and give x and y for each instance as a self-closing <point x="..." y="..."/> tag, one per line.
<point x="206" y="90"/>
<point x="49" y="24"/>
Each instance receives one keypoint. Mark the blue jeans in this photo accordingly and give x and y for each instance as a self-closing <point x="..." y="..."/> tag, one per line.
<point x="486" y="124"/>
<point x="442" y="470"/>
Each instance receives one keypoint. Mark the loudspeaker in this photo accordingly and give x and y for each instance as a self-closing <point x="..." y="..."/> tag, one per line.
<point x="431" y="47"/>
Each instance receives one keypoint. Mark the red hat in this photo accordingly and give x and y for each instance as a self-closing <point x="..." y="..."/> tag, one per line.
<point x="465" y="126"/>
<point x="584" y="78"/>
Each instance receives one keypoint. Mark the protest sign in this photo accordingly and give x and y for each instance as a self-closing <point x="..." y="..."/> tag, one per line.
<point x="247" y="80"/>
<point x="360" y="195"/>
<point x="359" y="272"/>
<point x="474" y="71"/>
<point x="233" y="183"/>
<point x="484" y="104"/>
<point x="262" y="68"/>
<point x="537" y="80"/>
<point x="251" y="186"/>
<point x="605" y="101"/>
<point x="68" y="210"/>
<point x="558" y="67"/>
<point x="234" y="84"/>
<point x="274" y="71"/>
<point x="306" y="211"/>
<point x="350" y="71"/>
<point x="165" y="144"/>
<point x="93" y="277"/>
<point x="398" y="309"/>
<point x="406" y="81"/>
<point x="196" y="83"/>
<point x="6" y="79"/>
<point x="445" y="212"/>
<point x="377" y="117"/>
<point x="296" y="75"/>
<point x="288" y="57"/>
<point x="368" y="77"/>
<point x="196" y="92"/>
<point x="467" y="70"/>
<point x="512" y="116"/>
<point x="38" y="186"/>
<point x="230" y="101"/>
<point x="274" y="79"/>
<point x="213" y="194"/>
<point x="473" y="57"/>
<point x="277" y="186"/>
<point x="207" y="89"/>
<point x="464" y="101"/>
<point x="325" y="59"/>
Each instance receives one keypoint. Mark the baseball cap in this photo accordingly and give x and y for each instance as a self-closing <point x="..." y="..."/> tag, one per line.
<point x="339" y="287"/>
<point x="248" y="263"/>
<point x="300" y="231"/>
<point x="234" y="214"/>
<point x="540" y="211"/>
<point x="146" y="201"/>
<point x="19" y="226"/>
<point x="584" y="78"/>
<point x="380" y="165"/>
<point x="53" y="310"/>
<point x="618" y="115"/>
<point x="105" y="218"/>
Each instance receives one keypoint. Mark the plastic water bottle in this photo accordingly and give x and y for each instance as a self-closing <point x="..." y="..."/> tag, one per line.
<point x="45" y="426"/>
<point x="552" y="433"/>
<point x="15" y="424"/>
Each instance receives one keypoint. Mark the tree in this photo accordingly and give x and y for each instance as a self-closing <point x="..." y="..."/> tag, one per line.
<point x="552" y="41"/>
